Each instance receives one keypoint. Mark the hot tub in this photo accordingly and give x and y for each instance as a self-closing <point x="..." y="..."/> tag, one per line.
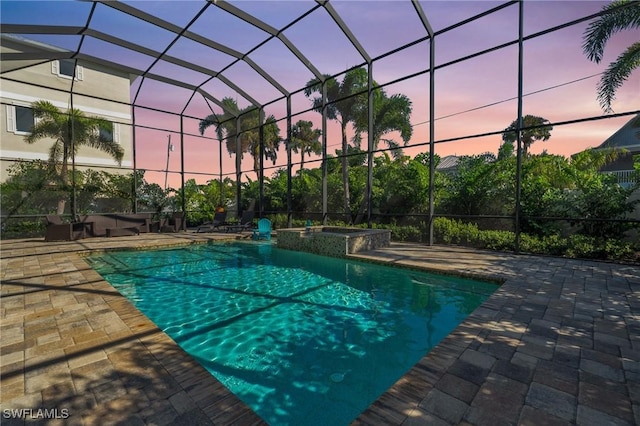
<point x="333" y="240"/>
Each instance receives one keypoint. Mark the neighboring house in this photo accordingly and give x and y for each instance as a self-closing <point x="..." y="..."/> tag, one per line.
<point x="97" y="91"/>
<point x="448" y="164"/>
<point x="628" y="138"/>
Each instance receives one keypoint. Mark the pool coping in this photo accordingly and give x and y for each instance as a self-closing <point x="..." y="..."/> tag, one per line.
<point x="543" y="344"/>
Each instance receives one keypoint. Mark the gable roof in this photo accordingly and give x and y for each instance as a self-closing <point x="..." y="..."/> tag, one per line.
<point x="450" y="162"/>
<point x="628" y="136"/>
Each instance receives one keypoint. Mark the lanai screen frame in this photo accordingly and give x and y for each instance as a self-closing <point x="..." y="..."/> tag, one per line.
<point x="368" y="62"/>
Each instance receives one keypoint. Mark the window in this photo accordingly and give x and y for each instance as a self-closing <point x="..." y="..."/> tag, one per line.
<point x="64" y="68"/>
<point x="20" y="119"/>
<point x="110" y="133"/>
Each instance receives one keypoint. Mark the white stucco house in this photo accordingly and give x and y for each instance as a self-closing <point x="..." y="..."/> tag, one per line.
<point x="90" y="87"/>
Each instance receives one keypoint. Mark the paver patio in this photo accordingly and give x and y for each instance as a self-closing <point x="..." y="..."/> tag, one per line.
<point x="558" y="343"/>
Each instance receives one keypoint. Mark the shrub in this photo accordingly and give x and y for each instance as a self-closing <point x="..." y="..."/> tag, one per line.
<point x="23" y="228"/>
<point x="405" y="233"/>
<point x="496" y="240"/>
<point x="279" y="221"/>
<point x="448" y="231"/>
<point x="551" y="244"/>
<point x="582" y="246"/>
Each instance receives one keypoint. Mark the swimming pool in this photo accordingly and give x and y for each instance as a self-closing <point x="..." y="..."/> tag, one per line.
<point x="300" y="338"/>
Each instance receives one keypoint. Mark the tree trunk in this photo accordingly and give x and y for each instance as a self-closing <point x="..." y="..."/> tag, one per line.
<point x="256" y="165"/>
<point x="365" y="199"/>
<point x="345" y="175"/>
<point x="61" y="205"/>
<point x="64" y="179"/>
<point x="361" y="211"/>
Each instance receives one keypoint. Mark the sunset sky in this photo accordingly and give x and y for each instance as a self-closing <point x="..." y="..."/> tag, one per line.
<point x="471" y="97"/>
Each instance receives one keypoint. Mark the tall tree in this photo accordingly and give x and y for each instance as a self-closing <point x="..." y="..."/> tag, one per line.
<point x="534" y="128"/>
<point x="341" y="106"/>
<point x="70" y="131"/>
<point x="390" y="114"/>
<point x="305" y="140"/>
<point x="226" y="128"/>
<point x="617" y="16"/>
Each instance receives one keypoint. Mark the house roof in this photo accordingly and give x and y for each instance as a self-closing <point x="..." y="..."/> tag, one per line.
<point x="447" y="163"/>
<point x="627" y="137"/>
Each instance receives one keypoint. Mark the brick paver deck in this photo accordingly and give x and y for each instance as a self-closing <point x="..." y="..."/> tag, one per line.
<point x="558" y="343"/>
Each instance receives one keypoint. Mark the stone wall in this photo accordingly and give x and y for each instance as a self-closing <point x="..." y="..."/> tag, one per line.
<point x="333" y="241"/>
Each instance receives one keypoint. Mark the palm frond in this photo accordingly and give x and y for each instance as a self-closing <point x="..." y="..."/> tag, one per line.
<point x="43" y="129"/>
<point x="616" y="74"/>
<point x="45" y="110"/>
<point x="109" y="146"/>
<point x="396" y="150"/>
<point x="315" y="86"/>
<point x="618" y="15"/>
<point x="208" y="121"/>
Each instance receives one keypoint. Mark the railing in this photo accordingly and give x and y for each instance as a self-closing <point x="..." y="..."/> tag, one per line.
<point x="625" y="177"/>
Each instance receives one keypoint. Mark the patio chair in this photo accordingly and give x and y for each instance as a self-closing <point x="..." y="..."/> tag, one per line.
<point x="246" y="221"/>
<point x="263" y="230"/>
<point x="219" y="219"/>
<point x="244" y="224"/>
<point x="57" y="230"/>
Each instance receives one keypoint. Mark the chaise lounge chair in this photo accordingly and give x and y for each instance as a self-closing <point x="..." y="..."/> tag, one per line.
<point x="219" y="219"/>
<point x="244" y="224"/>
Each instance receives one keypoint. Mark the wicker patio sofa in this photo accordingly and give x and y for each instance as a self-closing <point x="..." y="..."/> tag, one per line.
<point x="116" y="224"/>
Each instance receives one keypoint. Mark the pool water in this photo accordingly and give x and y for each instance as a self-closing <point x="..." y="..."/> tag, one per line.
<point x="300" y="338"/>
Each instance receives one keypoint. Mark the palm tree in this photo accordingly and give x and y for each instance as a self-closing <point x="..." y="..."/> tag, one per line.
<point x="389" y="114"/>
<point x="534" y="129"/>
<point x="70" y="130"/>
<point x="305" y="139"/>
<point x="341" y="106"/>
<point x="617" y="16"/>
<point x="272" y="140"/>
<point x="249" y="131"/>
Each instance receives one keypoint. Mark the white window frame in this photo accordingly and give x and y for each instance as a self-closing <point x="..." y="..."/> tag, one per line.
<point x="12" y="125"/>
<point x="55" y="69"/>
<point x="116" y="132"/>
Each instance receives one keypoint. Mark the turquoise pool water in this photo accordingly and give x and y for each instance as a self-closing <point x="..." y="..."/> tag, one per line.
<point x="302" y="339"/>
